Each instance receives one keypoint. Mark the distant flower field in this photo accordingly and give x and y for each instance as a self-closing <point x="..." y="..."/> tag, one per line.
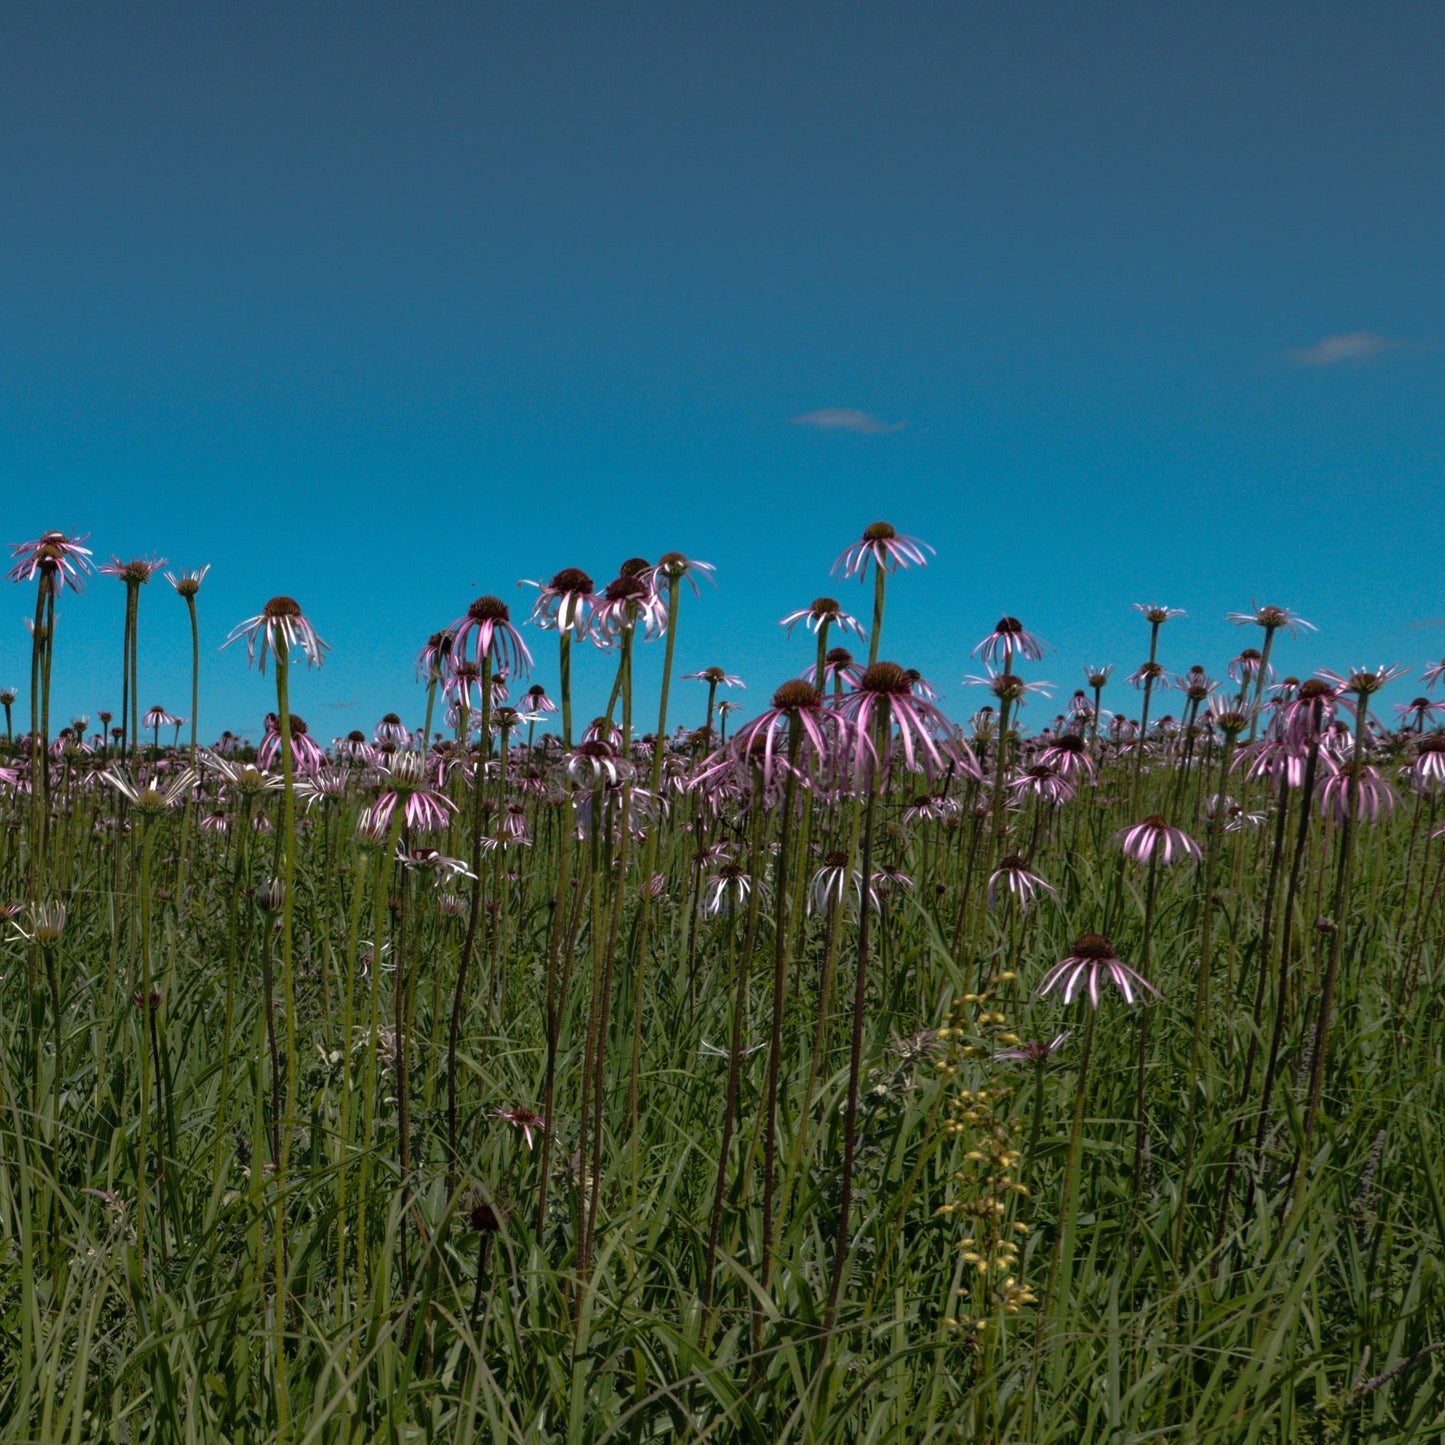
<point x="820" y="1068"/>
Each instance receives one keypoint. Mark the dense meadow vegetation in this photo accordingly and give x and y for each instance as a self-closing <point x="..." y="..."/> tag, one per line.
<point x="832" y="1070"/>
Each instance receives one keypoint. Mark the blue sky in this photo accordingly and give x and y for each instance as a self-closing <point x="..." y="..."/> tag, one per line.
<point x="384" y="307"/>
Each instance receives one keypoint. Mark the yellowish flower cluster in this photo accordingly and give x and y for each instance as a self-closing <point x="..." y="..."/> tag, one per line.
<point x="988" y="1188"/>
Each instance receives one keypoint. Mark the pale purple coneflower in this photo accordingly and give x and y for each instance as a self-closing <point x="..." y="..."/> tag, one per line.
<point x="1418" y="712"/>
<point x="674" y="567"/>
<point x="60" y="561"/>
<point x="1008" y="687"/>
<point x="524" y="1119"/>
<point x="1036" y="1052"/>
<point x="1272" y="619"/>
<point x="1427" y="767"/>
<point x="627" y="601"/>
<point x="1091" y="962"/>
<point x="823" y="612"/>
<point x="306" y="755"/>
<point x="404" y="783"/>
<point x="1154" y="839"/>
<point x="565" y="603"/>
<point x="1372" y="794"/>
<point x="434" y="657"/>
<point x="1246" y="668"/>
<point x="1433" y="672"/>
<point x="391" y="730"/>
<point x="188" y="583"/>
<point x="594" y="762"/>
<point x="714" y="677"/>
<point x="727" y="889"/>
<point x="839" y="666"/>
<point x="1007" y="640"/>
<point x="1043" y="783"/>
<point x="1156" y="615"/>
<point x="151" y="798"/>
<point x="489" y="622"/>
<point x="921" y="727"/>
<point x="1013" y="874"/>
<point x="1069" y="756"/>
<point x="882" y="547"/>
<point x="536" y="701"/>
<point x="280" y="624"/>
<point x="834" y="884"/>
<point x="1361" y="682"/>
<point x="136" y="572"/>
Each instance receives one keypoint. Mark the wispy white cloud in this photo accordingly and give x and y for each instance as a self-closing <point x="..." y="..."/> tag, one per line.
<point x="1428" y="622"/>
<point x="1347" y="347"/>
<point x="845" y="418"/>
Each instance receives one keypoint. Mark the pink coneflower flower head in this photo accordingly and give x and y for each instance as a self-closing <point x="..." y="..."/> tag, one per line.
<point x="1155" y="839"/>
<point x="1362" y="681"/>
<point x="1041" y="782"/>
<point x="1037" y="1052"/>
<point x="1149" y="672"/>
<point x="1091" y="962"/>
<point x="1068" y="755"/>
<point x="1433" y="672"/>
<point x="596" y="762"/>
<point x="714" y="677"/>
<point x="157" y="717"/>
<point x="627" y="601"/>
<point x="306" y="755"/>
<point x="1007" y="640"/>
<point x="1245" y="668"/>
<point x="524" y="1119"/>
<point x="1013" y="874"/>
<point x="728" y="889"/>
<point x="838" y="666"/>
<point x="921" y="727"/>
<point x="404" y="783"/>
<point x="1156" y="615"/>
<point x="435" y="656"/>
<point x="565" y="603"/>
<point x="1418" y="712"/>
<point x="1009" y="687"/>
<point x="1309" y="713"/>
<point x="60" y="561"/>
<point x="391" y="730"/>
<point x="1369" y="797"/>
<point x="603" y="729"/>
<point x="764" y="741"/>
<point x="280" y="624"/>
<point x="674" y="567"/>
<point x="188" y="583"/>
<point x="834" y="884"/>
<point x="1227" y="716"/>
<point x="1098" y="676"/>
<point x="1272" y="619"/>
<point x="885" y="548"/>
<point x="1427" y="768"/>
<point x="536" y="701"/>
<point x="489" y="622"/>
<point x="819" y="611"/>
<point x="135" y="573"/>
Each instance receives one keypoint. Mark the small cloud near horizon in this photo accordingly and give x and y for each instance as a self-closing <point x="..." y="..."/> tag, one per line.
<point x="845" y="418"/>
<point x="1348" y="346"/>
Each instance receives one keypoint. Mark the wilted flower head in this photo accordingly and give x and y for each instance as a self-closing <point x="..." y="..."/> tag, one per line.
<point x="280" y="624"/>
<point x="522" y="1118"/>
